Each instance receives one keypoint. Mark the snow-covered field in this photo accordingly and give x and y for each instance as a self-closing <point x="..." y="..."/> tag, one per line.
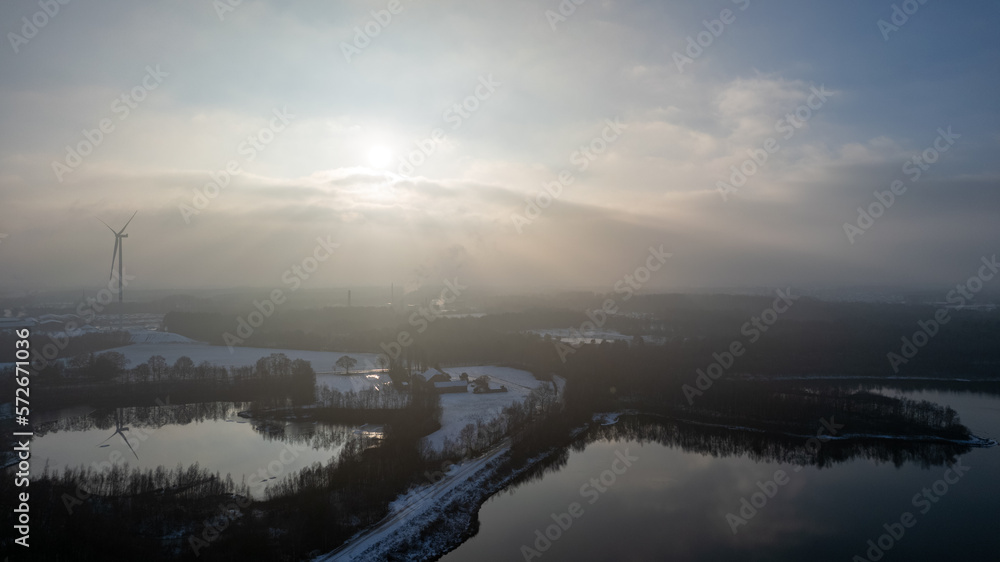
<point x="458" y="410"/>
<point x="322" y="361"/>
<point x="151" y="336"/>
<point x="172" y="347"/>
<point x="148" y="342"/>
<point x="575" y="336"/>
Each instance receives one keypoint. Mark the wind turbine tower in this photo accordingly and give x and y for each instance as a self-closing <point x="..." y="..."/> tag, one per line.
<point x="117" y="254"/>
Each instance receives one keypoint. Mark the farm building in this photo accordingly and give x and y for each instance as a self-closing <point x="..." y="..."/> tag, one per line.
<point x="450" y="387"/>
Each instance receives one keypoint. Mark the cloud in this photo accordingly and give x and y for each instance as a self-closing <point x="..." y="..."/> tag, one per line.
<point x="655" y="184"/>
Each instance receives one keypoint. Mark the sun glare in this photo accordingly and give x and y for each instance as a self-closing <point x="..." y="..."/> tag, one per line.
<point x="379" y="156"/>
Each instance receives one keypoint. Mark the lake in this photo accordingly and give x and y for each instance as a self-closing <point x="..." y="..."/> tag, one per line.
<point x="620" y="495"/>
<point x="210" y="434"/>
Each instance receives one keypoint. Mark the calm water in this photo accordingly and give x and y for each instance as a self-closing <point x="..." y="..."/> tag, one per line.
<point x="671" y="504"/>
<point x="211" y="435"/>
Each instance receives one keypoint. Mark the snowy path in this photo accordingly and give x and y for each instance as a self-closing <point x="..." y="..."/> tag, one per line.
<point x="407" y="511"/>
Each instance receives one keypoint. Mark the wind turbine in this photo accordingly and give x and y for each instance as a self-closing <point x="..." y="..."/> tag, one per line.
<point x="117" y="254"/>
<point x="119" y="428"/>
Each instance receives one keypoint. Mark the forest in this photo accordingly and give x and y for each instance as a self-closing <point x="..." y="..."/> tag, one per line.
<point x="812" y="338"/>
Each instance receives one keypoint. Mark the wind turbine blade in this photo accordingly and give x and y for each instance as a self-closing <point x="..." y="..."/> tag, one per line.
<point x="109" y="437"/>
<point x="129" y="220"/>
<point x="114" y="256"/>
<point x="109" y="227"/>
<point x="129" y="445"/>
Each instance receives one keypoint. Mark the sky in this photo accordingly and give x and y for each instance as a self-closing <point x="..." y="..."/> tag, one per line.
<point x="510" y="144"/>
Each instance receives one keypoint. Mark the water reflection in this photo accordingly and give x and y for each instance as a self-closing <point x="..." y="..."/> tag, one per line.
<point x="213" y="435"/>
<point x="673" y="502"/>
<point x="119" y="430"/>
<point x="757" y="446"/>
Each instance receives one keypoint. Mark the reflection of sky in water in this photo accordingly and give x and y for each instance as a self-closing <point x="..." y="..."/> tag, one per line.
<point x="671" y="505"/>
<point x="217" y="445"/>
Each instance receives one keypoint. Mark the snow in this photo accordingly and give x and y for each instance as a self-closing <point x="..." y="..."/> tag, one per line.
<point x="868" y="378"/>
<point x="148" y="342"/>
<point x="607" y="418"/>
<point x="461" y="409"/>
<point x="418" y="508"/>
<point x="153" y="336"/>
<point x="353" y="383"/>
<point x="572" y="336"/>
<point x="451" y="384"/>
<point x="322" y="361"/>
<point x="974" y="441"/>
<point x="172" y="346"/>
<point x="463" y="315"/>
<point x="430" y="373"/>
<point x="560" y="384"/>
<point x="429" y="519"/>
<point x="8" y="323"/>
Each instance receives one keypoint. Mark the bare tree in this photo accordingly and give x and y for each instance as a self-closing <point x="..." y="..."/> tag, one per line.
<point x="346" y="362"/>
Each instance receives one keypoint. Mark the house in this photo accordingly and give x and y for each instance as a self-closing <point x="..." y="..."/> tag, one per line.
<point x="450" y="387"/>
<point x="434" y="375"/>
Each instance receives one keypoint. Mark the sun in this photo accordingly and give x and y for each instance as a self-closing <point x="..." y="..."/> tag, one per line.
<point x="379" y="156"/>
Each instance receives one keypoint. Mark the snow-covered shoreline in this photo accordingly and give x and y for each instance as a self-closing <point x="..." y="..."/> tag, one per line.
<point x="982" y="442"/>
<point x="868" y="378"/>
<point x="447" y="507"/>
<point x="434" y="528"/>
<point x="455" y="498"/>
